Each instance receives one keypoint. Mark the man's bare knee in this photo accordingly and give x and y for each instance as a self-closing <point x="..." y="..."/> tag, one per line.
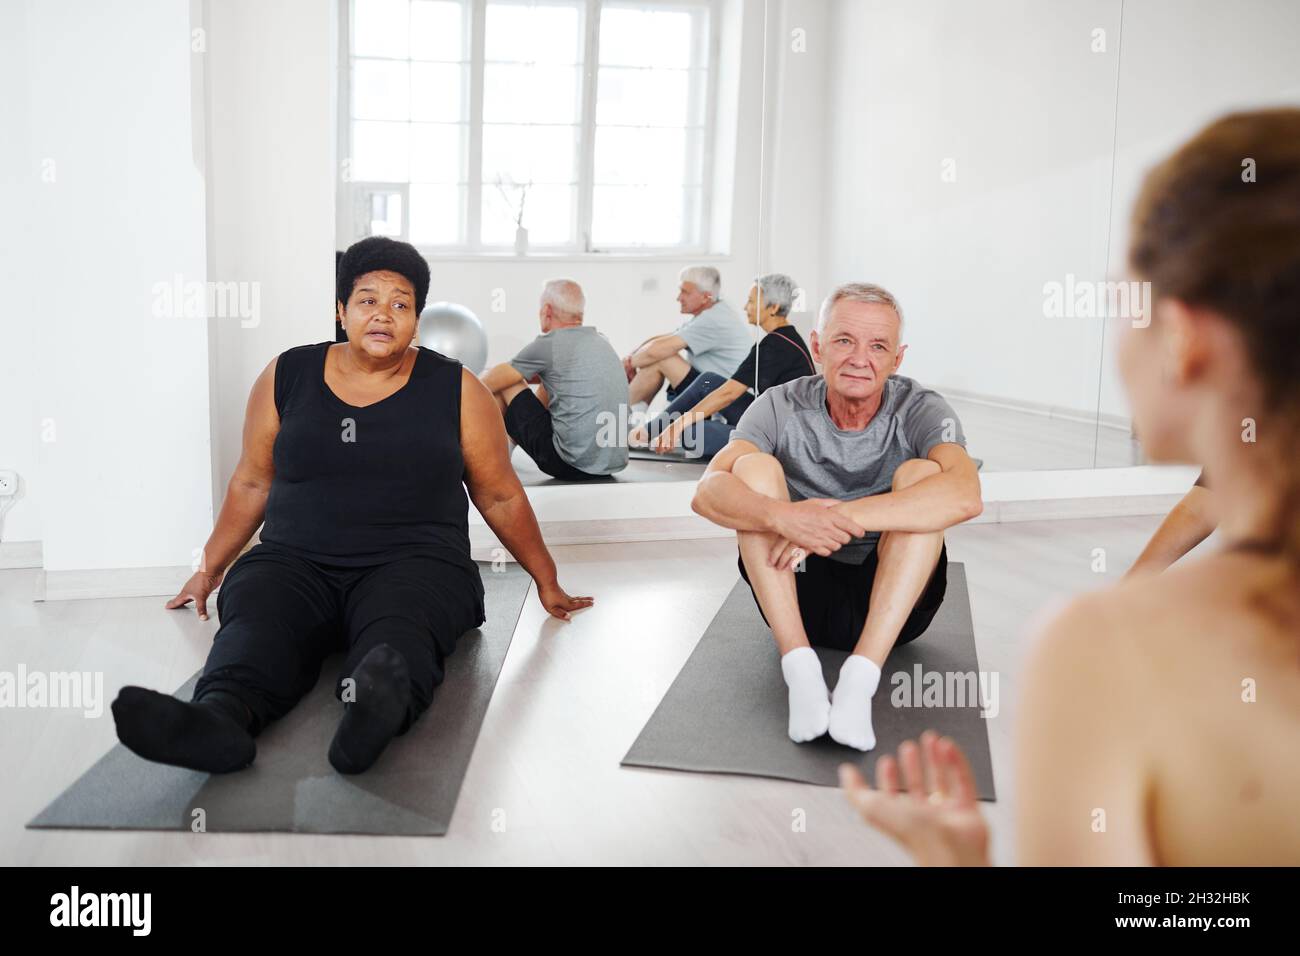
<point x="914" y="470"/>
<point x="763" y="473"/>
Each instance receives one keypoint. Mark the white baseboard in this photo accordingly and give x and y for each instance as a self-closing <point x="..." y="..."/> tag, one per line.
<point x="20" y="554"/>
<point x="111" y="583"/>
<point x="1083" y="416"/>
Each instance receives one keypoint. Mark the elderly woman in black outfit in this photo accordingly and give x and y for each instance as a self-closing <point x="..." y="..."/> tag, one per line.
<point x="357" y="455"/>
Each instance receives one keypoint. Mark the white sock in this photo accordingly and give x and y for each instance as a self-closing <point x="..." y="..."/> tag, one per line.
<point x="850" y="722"/>
<point x="810" y="704"/>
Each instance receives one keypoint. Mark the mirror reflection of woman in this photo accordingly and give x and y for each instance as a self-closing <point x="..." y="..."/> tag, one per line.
<point x="779" y="356"/>
<point x="1161" y="717"/>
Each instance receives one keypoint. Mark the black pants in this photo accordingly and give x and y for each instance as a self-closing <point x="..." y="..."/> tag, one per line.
<point x="282" y="615"/>
<point x="529" y="423"/>
<point x="834" y="598"/>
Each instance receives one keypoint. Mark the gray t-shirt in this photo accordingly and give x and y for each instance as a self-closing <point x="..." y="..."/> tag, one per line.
<point x="791" y="422"/>
<point x="717" y="340"/>
<point x="587" y="386"/>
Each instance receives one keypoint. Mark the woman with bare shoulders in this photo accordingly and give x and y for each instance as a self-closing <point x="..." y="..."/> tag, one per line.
<point x="1161" y="717"/>
<point x="357" y="456"/>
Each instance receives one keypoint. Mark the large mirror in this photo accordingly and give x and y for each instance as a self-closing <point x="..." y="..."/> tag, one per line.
<point x="978" y="160"/>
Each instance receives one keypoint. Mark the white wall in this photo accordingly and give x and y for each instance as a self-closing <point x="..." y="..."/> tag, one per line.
<point x="800" y="41"/>
<point x="1011" y="90"/>
<point x="126" y="480"/>
<point x="271" y="151"/>
<point x="1012" y="93"/>
<point x="20" y="172"/>
<point x="1185" y="63"/>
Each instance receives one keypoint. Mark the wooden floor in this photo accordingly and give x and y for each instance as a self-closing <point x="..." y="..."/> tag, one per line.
<point x="572" y="698"/>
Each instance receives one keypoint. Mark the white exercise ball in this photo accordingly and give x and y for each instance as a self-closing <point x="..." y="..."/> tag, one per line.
<point x="456" y="332"/>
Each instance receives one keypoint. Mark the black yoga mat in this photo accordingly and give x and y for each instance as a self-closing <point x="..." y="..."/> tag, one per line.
<point x="410" y="791"/>
<point x="726" y="712"/>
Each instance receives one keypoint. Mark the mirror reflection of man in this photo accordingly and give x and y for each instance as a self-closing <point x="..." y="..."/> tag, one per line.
<point x="714" y="339"/>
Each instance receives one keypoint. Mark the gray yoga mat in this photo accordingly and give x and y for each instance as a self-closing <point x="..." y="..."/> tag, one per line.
<point x="638" y="471"/>
<point x="726" y="712"/>
<point x="677" y="456"/>
<point x="410" y="791"/>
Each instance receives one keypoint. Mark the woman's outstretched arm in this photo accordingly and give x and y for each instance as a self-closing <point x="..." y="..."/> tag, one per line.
<point x="245" y="503"/>
<point x="499" y="497"/>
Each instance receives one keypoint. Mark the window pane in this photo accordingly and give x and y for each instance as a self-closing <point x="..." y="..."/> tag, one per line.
<point x="638" y="216"/>
<point x="631" y="156"/>
<point x="438" y="92"/>
<point x="548" y="213"/>
<point x="385" y="214"/>
<point x="437" y="153"/>
<point x="379" y="151"/>
<point x="631" y="37"/>
<point x="380" y="27"/>
<point x="636" y="97"/>
<point x="542" y="154"/>
<point x="437" y="30"/>
<point x="380" y="90"/>
<point x="532" y="33"/>
<point x="530" y="94"/>
<point x="437" y="214"/>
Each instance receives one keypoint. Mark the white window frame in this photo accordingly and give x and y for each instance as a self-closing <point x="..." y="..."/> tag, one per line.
<point x="351" y="193"/>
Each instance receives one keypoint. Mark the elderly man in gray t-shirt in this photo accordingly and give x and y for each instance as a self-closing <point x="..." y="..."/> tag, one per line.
<point x="715" y="339"/>
<point x="568" y="426"/>
<point x="850" y="479"/>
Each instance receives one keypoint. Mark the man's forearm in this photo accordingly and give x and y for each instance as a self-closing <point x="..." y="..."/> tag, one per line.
<point x="651" y="351"/>
<point x="500" y="377"/>
<point x="512" y="520"/>
<point x="932" y="504"/>
<point x="241" y="514"/>
<point x="726" y="500"/>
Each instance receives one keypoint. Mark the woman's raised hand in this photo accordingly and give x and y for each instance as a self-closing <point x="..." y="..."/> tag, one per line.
<point x="936" y="817"/>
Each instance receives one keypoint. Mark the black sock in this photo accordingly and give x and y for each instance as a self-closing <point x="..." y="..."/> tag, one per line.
<point x="383" y="697"/>
<point x="228" y="704"/>
<point x="199" y="736"/>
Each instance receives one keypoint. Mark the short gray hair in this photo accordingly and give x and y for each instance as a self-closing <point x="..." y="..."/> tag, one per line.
<point x="776" y="288"/>
<point x="860" y="292"/>
<point x="705" y="278"/>
<point x="565" y="295"/>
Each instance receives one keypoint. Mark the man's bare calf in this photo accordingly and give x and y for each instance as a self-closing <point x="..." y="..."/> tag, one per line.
<point x="906" y="561"/>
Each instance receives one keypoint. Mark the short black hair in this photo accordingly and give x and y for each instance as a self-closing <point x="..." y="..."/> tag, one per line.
<point x="379" y="253"/>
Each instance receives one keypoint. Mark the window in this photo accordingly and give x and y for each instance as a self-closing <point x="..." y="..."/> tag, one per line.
<point x="477" y="125"/>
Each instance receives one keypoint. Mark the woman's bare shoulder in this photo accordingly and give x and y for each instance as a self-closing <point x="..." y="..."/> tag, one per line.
<point x="1144" y="619"/>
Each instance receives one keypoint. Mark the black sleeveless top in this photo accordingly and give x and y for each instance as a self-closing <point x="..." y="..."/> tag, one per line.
<point x="357" y="486"/>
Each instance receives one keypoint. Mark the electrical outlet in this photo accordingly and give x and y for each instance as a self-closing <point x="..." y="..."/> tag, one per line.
<point x="8" y="484"/>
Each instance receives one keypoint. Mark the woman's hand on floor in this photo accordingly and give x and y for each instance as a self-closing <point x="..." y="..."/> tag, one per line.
<point x="196" y="589"/>
<point x="670" y="436"/>
<point x="937" y="816"/>
<point x="558" y="603"/>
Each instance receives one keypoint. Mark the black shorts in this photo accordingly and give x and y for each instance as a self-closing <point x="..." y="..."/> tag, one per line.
<point x="674" y="390"/>
<point x="528" y="422"/>
<point x="834" y="596"/>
